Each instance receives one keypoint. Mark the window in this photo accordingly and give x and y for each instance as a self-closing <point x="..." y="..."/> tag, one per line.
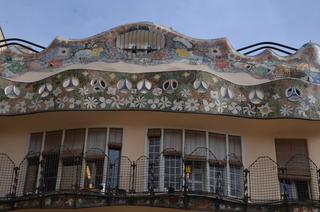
<point x="69" y="166"/>
<point x="235" y="166"/>
<point x="115" y="137"/>
<point x="172" y="141"/>
<point x="217" y="179"/>
<point x="33" y="162"/>
<point x="51" y="154"/>
<point x="173" y="173"/>
<point x="172" y="145"/>
<point x="195" y="144"/>
<point x="71" y="158"/>
<point x="95" y="158"/>
<point x="214" y="160"/>
<point x="114" y="168"/>
<point x="218" y="163"/>
<point x="197" y="179"/>
<point x="154" y="136"/>
<point x="115" y="144"/>
<point x="217" y="146"/>
<point x="292" y="154"/>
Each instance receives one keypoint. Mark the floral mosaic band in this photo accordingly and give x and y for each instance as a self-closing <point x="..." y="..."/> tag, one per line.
<point x="149" y="44"/>
<point x="176" y="91"/>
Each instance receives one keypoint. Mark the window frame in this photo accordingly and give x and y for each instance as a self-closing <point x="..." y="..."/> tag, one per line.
<point x="207" y="176"/>
<point x="82" y="163"/>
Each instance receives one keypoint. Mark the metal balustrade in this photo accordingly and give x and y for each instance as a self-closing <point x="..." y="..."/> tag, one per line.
<point x="199" y="173"/>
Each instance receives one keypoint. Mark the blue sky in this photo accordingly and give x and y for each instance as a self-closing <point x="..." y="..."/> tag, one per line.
<point x="243" y="22"/>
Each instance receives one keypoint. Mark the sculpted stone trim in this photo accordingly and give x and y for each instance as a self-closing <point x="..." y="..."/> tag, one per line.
<point x="176" y="91"/>
<point x="125" y="44"/>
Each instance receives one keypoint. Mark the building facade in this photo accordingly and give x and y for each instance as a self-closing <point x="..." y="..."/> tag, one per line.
<point x="142" y="115"/>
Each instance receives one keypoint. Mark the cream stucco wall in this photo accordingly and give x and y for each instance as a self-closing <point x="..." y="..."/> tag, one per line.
<point x="258" y="135"/>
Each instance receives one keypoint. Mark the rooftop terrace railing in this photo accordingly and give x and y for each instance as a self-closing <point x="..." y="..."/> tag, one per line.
<point x="247" y="50"/>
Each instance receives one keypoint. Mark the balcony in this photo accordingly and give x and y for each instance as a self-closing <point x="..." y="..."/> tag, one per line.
<point x="66" y="179"/>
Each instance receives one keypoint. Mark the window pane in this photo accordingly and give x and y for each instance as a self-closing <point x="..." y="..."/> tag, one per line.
<point x="217" y="145"/>
<point x="50" y="171"/>
<point x="93" y="174"/>
<point x="172" y="139"/>
<point x="52" y="141"/>
<point x="154" y="161"/>
<point x="35" y="142"/>
<point x="173" y="173"/>
<point x="115" y="137"/>
<point x="197" y="176"/>
<point x="193" y="140"/>
<point x="236" y="181"/>
<point x="97" y="139"/>
<point x="293" y="154"/>
<point x="235" y="147"/>
<point x="31" y="176"/>
<point x="74" y="140"/>
<point x="218" y="179"/>
<point x="70" y="177"/>
<point x="114" y="168"/>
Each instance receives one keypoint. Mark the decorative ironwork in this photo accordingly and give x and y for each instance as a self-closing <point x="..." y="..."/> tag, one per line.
<point x="94" y="173"/>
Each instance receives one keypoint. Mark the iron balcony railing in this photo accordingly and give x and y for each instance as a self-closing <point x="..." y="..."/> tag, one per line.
<point x="94" y="172"/>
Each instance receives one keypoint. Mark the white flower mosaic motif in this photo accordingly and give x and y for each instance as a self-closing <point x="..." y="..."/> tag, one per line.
<point x="207" y="105"/>
<point x="276" y="96"/>
<point x="265" y="110"/>
<point x="4" y="107"/>
<point x="250" y="110"/>
<point x="117" y="102"/>
<point x="286" y="110"/>
<point x="312" y="100"/>
<point x="73" y="103"/>
<point x="164" y="103"/>
<point x="192" y="104"/>
<point x="177" y="105"/>
<point x="220" y="105"/>
<point x="140" y="102"/>
<point x="62" y="101"/>
<point x="57" y="91"/>
<point x="90" y="102"/>
<point x="130" y="102"/>
<point x="157" y="91"/>
<point x="241" y="98"/>
<point x="214" y="94"/>
<point x="21" y="107"/>
<point x="36" y="104"/>
<point x="185" y="93"/>
<point x="112" y="91"/>
<point x="153" y="103"/>
<point x="104" y="102"/>
<point x="48" y="103"/>
<point x="29" y="95"/>
<point x="234" y="108"/>
<point x="84" y="91"/>
<point x="302" y="109"/>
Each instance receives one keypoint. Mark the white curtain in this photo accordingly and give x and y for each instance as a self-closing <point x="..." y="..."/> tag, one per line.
<point x="193" y="140"/>
<point x="172" y="139"/>
<point x="97" y="139"/>
<point x="217" y="145"/>
<point x="235" y="147"/>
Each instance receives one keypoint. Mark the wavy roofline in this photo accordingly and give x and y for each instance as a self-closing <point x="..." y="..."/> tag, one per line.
<point x="264" y="53"/>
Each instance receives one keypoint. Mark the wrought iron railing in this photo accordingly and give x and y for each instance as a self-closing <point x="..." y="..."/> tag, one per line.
<point x="94" y="172"/>
<point x="247" y="50"/>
